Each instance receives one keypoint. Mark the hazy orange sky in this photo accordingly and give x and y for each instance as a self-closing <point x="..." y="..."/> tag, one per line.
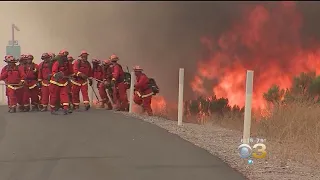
<point x="159" y="36"/>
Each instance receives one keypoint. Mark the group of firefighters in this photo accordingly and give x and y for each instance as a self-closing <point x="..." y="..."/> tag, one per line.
<point x="57" y="81"/>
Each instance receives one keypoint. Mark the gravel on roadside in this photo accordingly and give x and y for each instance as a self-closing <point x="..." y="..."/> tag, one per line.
<point x="223" y="143"/>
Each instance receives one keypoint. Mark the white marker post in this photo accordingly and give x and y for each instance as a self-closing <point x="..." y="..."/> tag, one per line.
<point x="91" y="98"/>
<point x="133" y="79"/>
<point x="180" y="100"/>
<point x="248" y="106"/>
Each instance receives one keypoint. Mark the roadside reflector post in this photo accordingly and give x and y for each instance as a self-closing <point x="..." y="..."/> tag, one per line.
<point x="180" y="98"/>
<point x="133" y="79"/>
<point x="248" y="107"/>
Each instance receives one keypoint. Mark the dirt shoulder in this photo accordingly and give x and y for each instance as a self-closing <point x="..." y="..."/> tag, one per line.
<point x="223" y="143"/>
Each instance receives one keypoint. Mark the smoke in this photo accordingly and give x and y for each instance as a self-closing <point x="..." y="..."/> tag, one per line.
<point x="159" y="36"/>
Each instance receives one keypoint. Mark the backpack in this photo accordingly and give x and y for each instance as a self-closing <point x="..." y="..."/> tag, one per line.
<point x="127" y="79"/>
<point x="153" y="85"/>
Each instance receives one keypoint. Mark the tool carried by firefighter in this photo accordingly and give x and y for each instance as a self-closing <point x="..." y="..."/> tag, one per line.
<point x="127" y="78"/>
<point x="110" y="99"/>
<point x="94" y="92"/>
<point x="83" y="74"/>
<point x="108" y="88"/>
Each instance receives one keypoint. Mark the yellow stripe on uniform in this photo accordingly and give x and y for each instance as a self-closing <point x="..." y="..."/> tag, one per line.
<point x="58" y="84"/>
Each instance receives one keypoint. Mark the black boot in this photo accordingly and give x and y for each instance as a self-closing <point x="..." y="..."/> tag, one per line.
<point x="53" y="112"/>
<point x="34" y="108"/>
<point x="12" y="110"/>
<point x="87" y="107"/>
<point x="26" y="108"/>
<point x="65" y="112"/>
<point x="70" y="110"/>
<point x="21" y="108"/>
<point x="44" y="109"/>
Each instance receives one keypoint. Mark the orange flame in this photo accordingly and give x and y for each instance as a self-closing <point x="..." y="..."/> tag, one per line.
<point x="158" y="105"/>
<point x="267" y="41"/>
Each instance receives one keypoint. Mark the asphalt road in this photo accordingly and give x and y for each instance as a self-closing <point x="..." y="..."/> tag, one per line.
<point x="99" y="145"/>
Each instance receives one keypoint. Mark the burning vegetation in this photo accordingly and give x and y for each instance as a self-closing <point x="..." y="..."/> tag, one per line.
<point x="267" y="39"/>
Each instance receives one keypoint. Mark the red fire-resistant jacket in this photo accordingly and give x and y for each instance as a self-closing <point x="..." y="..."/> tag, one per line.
<point x="12" y="76"/>
<point x="66" y="68"/>
<point x="30" y="74"/>
<point x="142" y="86"/>
<point x="81" y="67"/>
<point x="117" y="73"/>
<point x="97" y="72"/>
<point x="44" y="72"/>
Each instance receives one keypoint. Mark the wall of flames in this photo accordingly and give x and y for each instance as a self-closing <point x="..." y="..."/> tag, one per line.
<point x="266" y="39"/>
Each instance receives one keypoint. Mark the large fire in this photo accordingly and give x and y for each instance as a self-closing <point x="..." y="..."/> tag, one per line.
<point x="266" y="40"/>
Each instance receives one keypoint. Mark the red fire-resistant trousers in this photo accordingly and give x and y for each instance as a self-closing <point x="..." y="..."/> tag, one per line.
<point x="103" y="95"/>
<point x="58" y="93"/>
<point x="145" y="102"/>
<point x="14" y="96"/>
<point x="31" y="94"/>
<point x="45" y="92"/>
<point x="120" y="96"/>
<point x="76" y="94"/>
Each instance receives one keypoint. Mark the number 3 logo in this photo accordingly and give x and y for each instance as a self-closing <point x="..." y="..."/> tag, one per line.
<point x="259" y="151"/>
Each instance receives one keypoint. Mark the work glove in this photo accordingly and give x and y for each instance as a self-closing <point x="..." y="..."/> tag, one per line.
<point x="39" y="84"/>
<point x="90" y="82"/>
<point x="58" y="76"/>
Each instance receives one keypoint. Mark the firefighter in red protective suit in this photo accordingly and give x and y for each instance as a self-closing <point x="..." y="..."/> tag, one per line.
<point x="44" y="76"/>
<point x="143" y="93"/>
<point x="31" y="90"/>
<point x="83" y="74"/>
<point x="13" y="78"/>
<point x="22" y="62"/>
<point x="99" y="73"/>
<point x="70" y="59"/>
<point x="61" y="71"/>
<point x="119" y="87"/>
<point x="107" y="77"/>
<point x="52" y="55"/>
